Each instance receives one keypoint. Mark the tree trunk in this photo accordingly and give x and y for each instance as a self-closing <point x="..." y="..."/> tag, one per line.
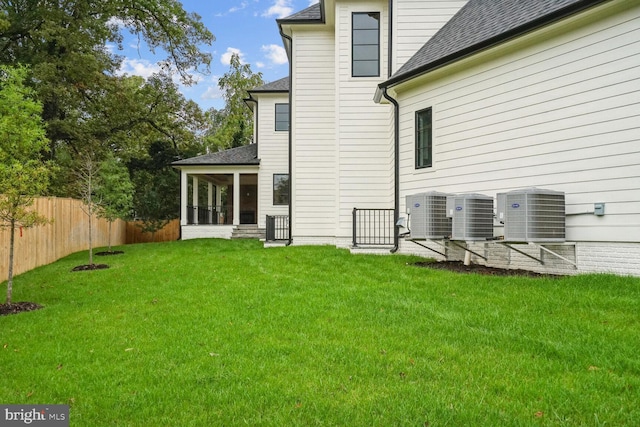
<point x="90" y="235"/>
<point x="12" y="240"/>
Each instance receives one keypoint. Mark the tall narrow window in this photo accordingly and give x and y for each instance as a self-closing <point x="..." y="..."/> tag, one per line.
<point x="281" y="189"/>
<point x="424" y="140"/>
<point x="365" y="52"/>
<point x="282" y="117"/>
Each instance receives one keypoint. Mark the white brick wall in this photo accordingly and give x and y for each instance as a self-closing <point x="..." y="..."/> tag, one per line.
<point x="590" y="257"/>
<point x="617" y="258"/>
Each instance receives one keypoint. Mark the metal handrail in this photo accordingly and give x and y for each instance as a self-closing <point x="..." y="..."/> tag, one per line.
<point x="277" y="228"/>
<point x="208" y="215"/>
<point x="373" y="227"/>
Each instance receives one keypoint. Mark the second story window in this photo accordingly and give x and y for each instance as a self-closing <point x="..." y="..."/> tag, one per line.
<point x="365" y="48"/>
<point x="282" y="117"/>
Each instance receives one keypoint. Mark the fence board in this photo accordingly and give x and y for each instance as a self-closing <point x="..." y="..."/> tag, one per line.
<point x="68" y="233"/>
<point x="169" y="233"/>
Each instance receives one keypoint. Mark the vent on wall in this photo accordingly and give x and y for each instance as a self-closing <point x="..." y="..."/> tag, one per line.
<point x="532" y="215"/>
<point x="472" y="216"/>
<point x="428" y="214"/>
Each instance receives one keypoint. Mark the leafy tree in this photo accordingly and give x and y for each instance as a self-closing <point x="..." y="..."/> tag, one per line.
<point x="114" y="191"/>
<point x="233" y="125"/>
<point x="74" y="72"/>
<point x="157" y="186"/>
<point x="23" y="174"/>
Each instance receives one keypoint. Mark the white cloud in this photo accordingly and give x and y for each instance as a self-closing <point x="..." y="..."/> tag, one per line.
<point x="312" y="2"/>
<point x="138" y="67"/>
<point x="243" y="5"/>
<point x="225" y="58"/>
<point x="275" y="53"/>
<point x="260" y="64"/>
<point x="280" y="9"/>
<point x="116" y="22"/>
<point x="212" y="92"/>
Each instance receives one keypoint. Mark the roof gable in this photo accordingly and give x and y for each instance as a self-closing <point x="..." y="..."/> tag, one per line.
<point x="245" y="155"/>
<point x="281" y="85"/>
<point x="481" y="24"/>
<point x="312" y="13"/>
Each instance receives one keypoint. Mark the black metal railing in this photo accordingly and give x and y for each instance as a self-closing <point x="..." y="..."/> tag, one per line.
<point x="207" y="215"/>
<point x="373" y="227"/>
<point x="277" y="228"/>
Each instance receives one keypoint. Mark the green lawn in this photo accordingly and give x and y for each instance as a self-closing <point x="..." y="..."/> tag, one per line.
<point x="226" y="333"/>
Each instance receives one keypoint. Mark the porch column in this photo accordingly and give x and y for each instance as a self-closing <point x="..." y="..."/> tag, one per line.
<point x="236" y="198"/>
<point x="194" y="197"/>
<point x="218" y="207"/>
<point x="210" y="201"/>
<point x="184" y="197"/>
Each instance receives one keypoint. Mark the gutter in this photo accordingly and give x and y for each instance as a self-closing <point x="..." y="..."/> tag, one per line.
<point x="396" y="167"/>
<point x="284" y="36"/>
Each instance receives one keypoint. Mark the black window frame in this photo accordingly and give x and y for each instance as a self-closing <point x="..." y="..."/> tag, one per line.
<point x="355" y="46"/>
<point x="281" y="198"/>
<point x="280" y="124"/>
<point x="422" y="147"/>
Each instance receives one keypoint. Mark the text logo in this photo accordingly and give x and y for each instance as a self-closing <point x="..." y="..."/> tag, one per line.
<point x="34" y="415"/>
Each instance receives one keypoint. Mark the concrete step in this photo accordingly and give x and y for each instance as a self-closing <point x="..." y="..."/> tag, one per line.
<point x="246" y="231"/>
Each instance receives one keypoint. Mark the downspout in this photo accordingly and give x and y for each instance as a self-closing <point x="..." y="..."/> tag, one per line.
<point x="390" y="42"/>
<point x="283" y="35"/>
<point x="396" y="167"/>
<point x="256" y="116"/>
<point x="396" y="137"/>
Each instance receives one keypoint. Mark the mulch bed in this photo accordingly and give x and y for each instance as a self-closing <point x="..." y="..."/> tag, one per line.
<point x="88" y="267"/>
<point x="459" y="267"/>
<point x="18" y="307"/>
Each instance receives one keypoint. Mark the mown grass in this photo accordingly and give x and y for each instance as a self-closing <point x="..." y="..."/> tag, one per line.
<point x="227" y="333"/>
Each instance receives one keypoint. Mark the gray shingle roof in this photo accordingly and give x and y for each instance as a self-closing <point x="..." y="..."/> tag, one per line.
<point x="281" y="85"/>
<point x="312" y="13"/>
<point x="484" y="23"/>
<point x="245" y="155"/>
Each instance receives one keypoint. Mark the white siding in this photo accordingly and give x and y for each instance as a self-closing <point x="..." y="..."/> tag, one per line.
<point x="416" y="21"/>
<point x="314" y="159"/>
<point x="273" y="152"/>
<point x="558" y="109"/>
<point x="365" y="151"/>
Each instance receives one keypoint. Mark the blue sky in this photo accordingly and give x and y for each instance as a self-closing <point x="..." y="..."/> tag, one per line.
<point x="246" y="27"/>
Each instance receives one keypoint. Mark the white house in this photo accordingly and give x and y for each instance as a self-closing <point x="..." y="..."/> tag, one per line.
<point x="394" y="98"/>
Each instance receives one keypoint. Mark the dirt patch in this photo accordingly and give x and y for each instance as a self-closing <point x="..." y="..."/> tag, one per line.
<point x="18" y="307"/>
<point x="87" y="267"/>
<point x="107" y="253"/>
<point x="459" y="267"/>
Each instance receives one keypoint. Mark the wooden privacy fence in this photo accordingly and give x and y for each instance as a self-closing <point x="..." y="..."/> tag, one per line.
<point x="169" y="233"/>
<point x="68" y="233"/>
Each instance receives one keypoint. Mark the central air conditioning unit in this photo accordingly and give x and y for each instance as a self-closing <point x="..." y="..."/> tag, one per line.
<point x="532" y="215"/>
<point x="472" y="216"/>
<point x="428" y="213"/>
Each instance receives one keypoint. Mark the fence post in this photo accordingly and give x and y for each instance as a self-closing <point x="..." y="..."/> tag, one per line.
<point x="355" y="240"/>
<point x="271" y="228"/>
